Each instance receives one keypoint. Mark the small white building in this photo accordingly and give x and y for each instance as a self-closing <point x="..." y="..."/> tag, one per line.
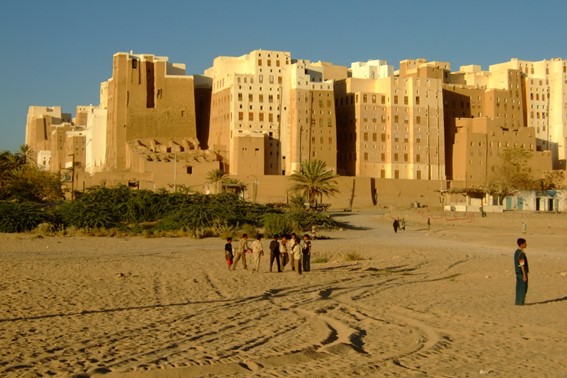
<point x="536" y="200"/>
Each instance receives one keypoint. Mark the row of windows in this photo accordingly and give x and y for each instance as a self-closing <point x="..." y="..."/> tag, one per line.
<point x="270" y="98"/>
<point x="396" y="157"/>
<point x="499" y="144"/>
<point x="537" y="96"/>
<point x="245" y="80"/>
<point x="261" y="116"/>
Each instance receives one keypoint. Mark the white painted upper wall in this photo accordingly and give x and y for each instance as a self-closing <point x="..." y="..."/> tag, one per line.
<point x="373" y="69"/>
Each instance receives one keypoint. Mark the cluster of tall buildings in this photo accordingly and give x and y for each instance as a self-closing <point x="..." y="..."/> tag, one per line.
<point x="261" y="114"/>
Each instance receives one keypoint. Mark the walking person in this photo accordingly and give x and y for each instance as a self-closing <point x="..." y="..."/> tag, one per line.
<point x="283" y="251"/>
<point x="396" y="225"/>
<point x="243" y="248"/>
<point x="228" y="252"/>
<point x="306" y="251"/>
<point x="275" y="253"/>
<point x="257" y="252"/>
<point x="522" y="269"/>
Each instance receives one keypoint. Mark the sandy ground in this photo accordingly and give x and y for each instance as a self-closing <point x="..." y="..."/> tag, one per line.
<point x="435" y="303"/>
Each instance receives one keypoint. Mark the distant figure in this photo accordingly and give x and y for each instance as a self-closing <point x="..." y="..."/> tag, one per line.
<point x="228" y="252"/>
<point x="283" y="251"/>
<point x="524" y="227"/>
<point x="241" y="252"/>
<point x="396" y="225"/>
<point x="306" y="250"/>
<point x="482" y="212"/>
<point x="403" y="224"/>
<point x="257" y="252"/>
<point x="295" y="254"/>
<point x="314" y="231"/>
<point x="429" y="223"/>
<point x="522" y="269"/>
<point x="275" y="253"/>
<point x="292" y="242"/>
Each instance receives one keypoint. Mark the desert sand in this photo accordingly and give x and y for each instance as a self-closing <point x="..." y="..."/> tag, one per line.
<point x="423" y="302"/>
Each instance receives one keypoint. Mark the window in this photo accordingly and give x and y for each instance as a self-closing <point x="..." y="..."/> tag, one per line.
<point x="240" y="116"/>
<point x="251" y="97"/>
<point x="395" y="100"/>
<point x="251" y="116"/>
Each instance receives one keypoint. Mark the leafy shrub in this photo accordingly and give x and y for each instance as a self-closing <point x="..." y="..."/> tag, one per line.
<point x="353" y="256"/>
<point x="281" y="224"/>
<point x="23" y="216"/>
<point x="320" y="260"/>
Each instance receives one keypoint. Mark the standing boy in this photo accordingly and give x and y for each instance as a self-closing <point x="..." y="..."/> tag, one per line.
<point x="241" y="253"/>
<point x="275" y="253"/>
<point x="257" y="252"/>
<point x="522" y="269"/>
<point x="228" y="252"/>
<point x="283" y="251"/>
<point x="306" y="249"/>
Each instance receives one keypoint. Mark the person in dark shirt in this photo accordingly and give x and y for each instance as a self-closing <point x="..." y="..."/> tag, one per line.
<point x="522" y="269"/>
<point x="275" y="253"/>
<point x="228" y="252"/>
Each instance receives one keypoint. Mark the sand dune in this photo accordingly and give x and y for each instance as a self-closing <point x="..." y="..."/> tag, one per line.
<point x="420" y="302"/>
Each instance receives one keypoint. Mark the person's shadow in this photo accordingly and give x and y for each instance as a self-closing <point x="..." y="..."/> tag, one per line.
<point x="549" y="301"/>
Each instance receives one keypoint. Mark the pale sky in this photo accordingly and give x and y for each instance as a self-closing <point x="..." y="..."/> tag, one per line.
<point x="56" y="53"/>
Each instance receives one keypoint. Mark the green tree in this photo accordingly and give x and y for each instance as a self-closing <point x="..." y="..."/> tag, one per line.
<point x="513" y="173"/>
<point x="553" y="180"/>
<point x="216" y="178"/>
<point x="314" y="181"/>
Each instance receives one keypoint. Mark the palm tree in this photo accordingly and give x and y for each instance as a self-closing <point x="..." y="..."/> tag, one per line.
<point x="25" y="154"/>
<point x="216" y="178"/>
<point x="314" y="180"/>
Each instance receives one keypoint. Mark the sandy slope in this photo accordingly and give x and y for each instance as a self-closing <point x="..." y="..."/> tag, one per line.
<point x="422" y="302"/>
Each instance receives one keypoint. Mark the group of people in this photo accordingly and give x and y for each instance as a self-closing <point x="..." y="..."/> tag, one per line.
<point x="399" y="224"/>
<point x="284" y="250"/>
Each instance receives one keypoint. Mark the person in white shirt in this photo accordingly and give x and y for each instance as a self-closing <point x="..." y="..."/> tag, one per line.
<point x="257" y="253"/>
